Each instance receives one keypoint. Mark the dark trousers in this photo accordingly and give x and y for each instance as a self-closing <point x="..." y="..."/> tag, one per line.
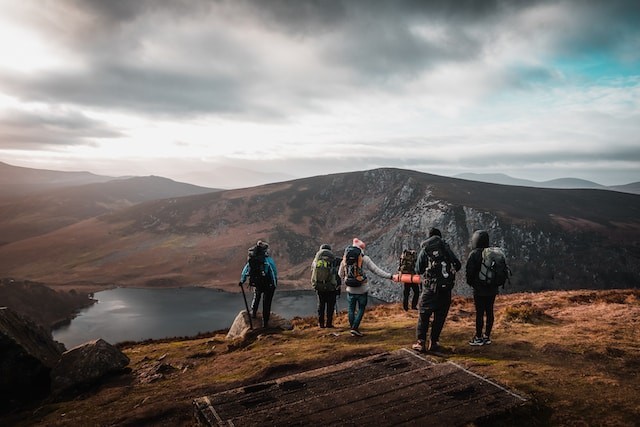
<point x="326" y="305"/>
<point x="436" y="304"/>
<point x="258" y="292"/>
<point x="408" y="287"/>
<point x="484" y="307"/>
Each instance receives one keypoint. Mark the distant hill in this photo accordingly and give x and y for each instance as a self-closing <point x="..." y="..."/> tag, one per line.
<point x="634" y="188"/>
<point x="44" y="211"/>
<point x="229" y="177"/>
<point x="554" y="238"/>
<point x="18" y="181"/>
<point x="498" y="178"/>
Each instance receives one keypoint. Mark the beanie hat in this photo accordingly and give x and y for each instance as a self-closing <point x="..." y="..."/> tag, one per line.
<point x="359" y="243"/>
<point x="434" y="232"/>
<point x="325" y="246"/>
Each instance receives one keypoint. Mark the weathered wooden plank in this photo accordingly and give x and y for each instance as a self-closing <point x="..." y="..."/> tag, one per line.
<point x="398" y="388"/>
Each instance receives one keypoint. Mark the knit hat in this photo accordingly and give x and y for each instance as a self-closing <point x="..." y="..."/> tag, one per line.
<point x="434" y="232"/>
<point x="359" y="243"/>
<point x="325" y="246"/>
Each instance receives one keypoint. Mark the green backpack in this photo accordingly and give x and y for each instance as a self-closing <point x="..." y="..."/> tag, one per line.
<point x="323" y="273"/>
<point x="494" y="270"/>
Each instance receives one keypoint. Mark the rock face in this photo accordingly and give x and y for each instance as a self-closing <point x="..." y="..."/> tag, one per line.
<point x="241" y="327"/>
<point x="87" y="363"/>
<point x="27" y="355"/>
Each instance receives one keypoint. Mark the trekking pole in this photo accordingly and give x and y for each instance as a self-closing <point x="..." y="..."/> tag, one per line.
<point x="244" y="297"/>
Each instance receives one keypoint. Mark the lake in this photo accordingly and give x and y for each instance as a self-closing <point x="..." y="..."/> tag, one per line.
<point x="132" y="314"/>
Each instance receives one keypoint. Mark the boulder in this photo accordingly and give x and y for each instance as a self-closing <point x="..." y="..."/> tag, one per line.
<point x="86" y="364"/>
<point x="241" y="327"/>
<point x="27" y="355"/>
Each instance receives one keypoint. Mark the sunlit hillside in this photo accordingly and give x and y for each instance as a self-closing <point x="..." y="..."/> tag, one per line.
<point x="575" y="355"/>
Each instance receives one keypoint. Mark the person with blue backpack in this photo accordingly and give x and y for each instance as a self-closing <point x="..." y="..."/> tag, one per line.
<point x="261" y="271"/>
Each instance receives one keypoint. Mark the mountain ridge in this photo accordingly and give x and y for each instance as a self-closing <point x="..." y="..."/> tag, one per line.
<point x="564" y="183"/>
<point x="554" y="238"/>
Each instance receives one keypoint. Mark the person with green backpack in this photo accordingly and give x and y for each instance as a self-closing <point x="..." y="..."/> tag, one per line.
<point x="486" y="270"/>
<point x="324" y="280"/>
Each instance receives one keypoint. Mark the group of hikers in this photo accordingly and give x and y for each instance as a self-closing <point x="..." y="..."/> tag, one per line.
<point x="429" y="274"/>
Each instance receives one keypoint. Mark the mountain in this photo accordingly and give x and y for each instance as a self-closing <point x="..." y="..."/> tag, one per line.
<point x="18" y="181"/>
<point x="554" y="238"/>
<point x="499" y="178"/>
<point x="633" y="187"/>
<point x="44" y="211"/>
<point x="229" y="177"/>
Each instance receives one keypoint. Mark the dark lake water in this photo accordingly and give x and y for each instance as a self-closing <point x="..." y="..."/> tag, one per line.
<point x="130" y="314"/>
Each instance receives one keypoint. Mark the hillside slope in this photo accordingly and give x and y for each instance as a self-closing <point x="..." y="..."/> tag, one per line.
<point x="574" y="354"/>
<point x="43" y="212"/>
<point x="18" y="181"/>
<point x="555" y="239"/>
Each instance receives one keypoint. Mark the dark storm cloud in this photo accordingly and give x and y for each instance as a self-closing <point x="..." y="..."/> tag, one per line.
<point x="374" y="44"/>
<point x="35" y="131"/>
<point x="121" y="86"/>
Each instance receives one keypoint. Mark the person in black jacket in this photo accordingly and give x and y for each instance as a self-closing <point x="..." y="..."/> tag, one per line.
<point x="484" y="295"/>
<point x="436" y="291"/>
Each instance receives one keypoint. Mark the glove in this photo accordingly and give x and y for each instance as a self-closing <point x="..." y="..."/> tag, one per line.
<point x="240" y="284"/>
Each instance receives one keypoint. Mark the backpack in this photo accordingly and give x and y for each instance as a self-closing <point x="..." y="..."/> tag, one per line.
<point x="258" y="275"/>
<point x="323" y="273"/>
<point x="353" y="259"/>
<point x="407" y="263"/>
<point x="439" y="271"/>
<point x="494" y="270"/>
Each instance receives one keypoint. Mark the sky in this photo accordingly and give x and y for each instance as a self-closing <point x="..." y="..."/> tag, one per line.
<point x="188" y="88"/>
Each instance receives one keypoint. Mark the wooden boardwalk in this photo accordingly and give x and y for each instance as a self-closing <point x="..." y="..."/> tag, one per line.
<point x="398" y="388"/>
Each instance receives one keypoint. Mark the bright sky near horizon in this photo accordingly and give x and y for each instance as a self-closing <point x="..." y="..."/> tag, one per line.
<point x="534" y="89"/>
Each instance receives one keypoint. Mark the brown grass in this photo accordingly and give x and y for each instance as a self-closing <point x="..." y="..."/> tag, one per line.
<point x="575" y="354"/>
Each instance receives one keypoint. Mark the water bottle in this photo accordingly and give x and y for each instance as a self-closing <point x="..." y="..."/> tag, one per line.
<point x="445" y="273"/>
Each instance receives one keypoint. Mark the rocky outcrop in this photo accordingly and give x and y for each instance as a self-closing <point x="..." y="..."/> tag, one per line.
<point x="27" y="355"/>
<point x="241" y="325"/>
<point x="86" y="364"/>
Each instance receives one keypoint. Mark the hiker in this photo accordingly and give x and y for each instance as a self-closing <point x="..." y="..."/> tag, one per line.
<point x="407" y="268"/>
<point x="351" y="273"/>
<point x="485" y="289"/>
<point x="438" y="264"/>
<point x="324" y="280"/>
<point x="263" y="278"/>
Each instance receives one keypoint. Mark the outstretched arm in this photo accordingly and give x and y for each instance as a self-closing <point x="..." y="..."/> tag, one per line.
<point x="371" y="266"/>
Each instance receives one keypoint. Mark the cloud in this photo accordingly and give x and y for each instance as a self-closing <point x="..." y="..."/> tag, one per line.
<point x="45" y="130"/>
<point x="418" y="84"/>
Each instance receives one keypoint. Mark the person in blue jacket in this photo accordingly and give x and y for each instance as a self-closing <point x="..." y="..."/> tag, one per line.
<point x="261" y="271"/>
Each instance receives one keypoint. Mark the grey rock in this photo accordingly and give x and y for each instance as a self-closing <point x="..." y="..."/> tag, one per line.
<point x="86" y="364"/>
<point x="241" y="327"/>
<point x="27" y="354"/>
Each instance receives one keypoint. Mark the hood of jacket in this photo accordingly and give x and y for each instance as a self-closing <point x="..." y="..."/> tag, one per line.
<point x="480" y="239"/>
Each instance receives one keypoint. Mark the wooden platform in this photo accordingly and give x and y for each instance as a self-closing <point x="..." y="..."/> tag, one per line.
<point x="398" y="388"/>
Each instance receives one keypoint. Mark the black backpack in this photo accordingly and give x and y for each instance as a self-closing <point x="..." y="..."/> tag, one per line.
<point x="439" y="272"/>
<point x="494" y="270"/>
<point x="353" y="260"/>
<point x="258" y="275"/>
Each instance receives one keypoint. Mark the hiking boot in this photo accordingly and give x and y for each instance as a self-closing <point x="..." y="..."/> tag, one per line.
<point x="320" y="325"/>
<point x="356" y="333"/>
<point x="419" y="346"/>
<point x="486" y="340"/>
<point x="476" y="341"/>
<point x="330" y="325"/>
<point x="435" y="346"/>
